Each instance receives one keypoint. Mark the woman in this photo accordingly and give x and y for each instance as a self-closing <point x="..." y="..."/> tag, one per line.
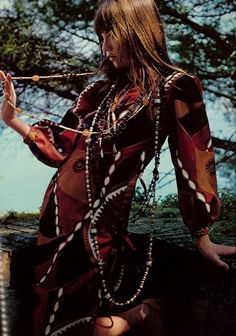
<point x="84" y="217"/>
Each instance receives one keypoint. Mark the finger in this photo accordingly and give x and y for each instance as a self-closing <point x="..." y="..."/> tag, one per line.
<point x="9" y="81"/>
<point x="9" y="86"/>
<point x="9" y="77"/>
<point x="224" y="266"/>
<point x="218" y="262"/>
<point x="2" y="75"/>
<point x="225" y="250"/>
<point x="3" y="79"/>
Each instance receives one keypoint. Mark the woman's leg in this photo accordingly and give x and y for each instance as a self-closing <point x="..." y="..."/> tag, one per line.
<point x="144" y="314"/>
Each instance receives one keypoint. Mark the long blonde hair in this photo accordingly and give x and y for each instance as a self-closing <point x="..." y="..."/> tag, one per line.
<point x="138" y="27"/>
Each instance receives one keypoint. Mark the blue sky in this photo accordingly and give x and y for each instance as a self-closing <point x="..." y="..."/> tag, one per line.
<point x="23" y="179"/>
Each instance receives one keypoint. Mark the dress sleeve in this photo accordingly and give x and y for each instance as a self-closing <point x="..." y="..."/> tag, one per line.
<point x="51" y="144"/>
<point x="193" y="155"/>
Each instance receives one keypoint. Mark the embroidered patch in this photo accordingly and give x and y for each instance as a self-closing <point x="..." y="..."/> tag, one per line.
<point x="78" y="165"/>
<point x="210" y="167"/>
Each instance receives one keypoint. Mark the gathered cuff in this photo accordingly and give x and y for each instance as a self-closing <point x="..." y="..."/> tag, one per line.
<point x="202" y="232"/>
<point x="30" y="136"/>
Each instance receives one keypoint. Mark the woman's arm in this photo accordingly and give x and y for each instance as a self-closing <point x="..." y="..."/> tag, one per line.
<point x="40" y="139"/>
<point x="48" y="142"/>
<point x="8" y="114"/>
<point x="193" y="157"/>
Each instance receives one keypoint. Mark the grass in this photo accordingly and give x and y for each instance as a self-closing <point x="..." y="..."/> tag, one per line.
<point x="19" y="216"/>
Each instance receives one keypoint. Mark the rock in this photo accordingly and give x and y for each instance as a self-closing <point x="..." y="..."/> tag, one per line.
<point x="199" y="299"/>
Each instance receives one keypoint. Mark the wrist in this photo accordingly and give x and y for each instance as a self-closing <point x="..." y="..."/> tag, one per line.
<point x="203" y="239"/>
<point x="10" y="121"/>
<point x="19" y="125"/>
<point x="200" y="233"/>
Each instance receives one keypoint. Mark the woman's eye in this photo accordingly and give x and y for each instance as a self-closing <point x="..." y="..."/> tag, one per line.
<point x="111" y="35"/>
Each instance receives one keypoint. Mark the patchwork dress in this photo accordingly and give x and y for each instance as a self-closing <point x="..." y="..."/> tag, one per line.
<point x="67" y="281"/>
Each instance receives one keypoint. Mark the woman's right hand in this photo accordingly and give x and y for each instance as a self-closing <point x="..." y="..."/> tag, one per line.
<point x="8" y="114"/>
<point x="9" y="96"/>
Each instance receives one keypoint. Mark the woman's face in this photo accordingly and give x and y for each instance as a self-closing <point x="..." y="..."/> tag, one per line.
<point x="116" y="53"/>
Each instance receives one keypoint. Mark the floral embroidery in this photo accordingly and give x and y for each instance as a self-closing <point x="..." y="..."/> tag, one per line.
<point x="79" y="165"/>
<point x="210" y="167"/>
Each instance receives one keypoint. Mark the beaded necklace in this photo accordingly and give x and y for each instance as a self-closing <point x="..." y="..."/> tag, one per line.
<point x="36" y="78"/>
<point x="139" y="104"/>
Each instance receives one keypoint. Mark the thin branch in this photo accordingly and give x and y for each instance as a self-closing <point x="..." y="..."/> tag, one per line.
<point x="214" y="75"/>
<point x="225" y="159"/>
<point x="220" y="94"/>
<point x="224" y="144"/>
<point x="207" y="30"/>
<point x="166" y="175"/>
<point x="86" y="38"/>
<point x="165" y="184"/>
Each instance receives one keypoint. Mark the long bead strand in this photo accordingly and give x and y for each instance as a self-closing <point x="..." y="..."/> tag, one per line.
<point x="36" y="78"/>
<point x="107" y="294"/>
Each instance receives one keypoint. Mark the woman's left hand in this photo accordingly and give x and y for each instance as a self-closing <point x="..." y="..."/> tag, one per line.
<point x="214" y="252"/>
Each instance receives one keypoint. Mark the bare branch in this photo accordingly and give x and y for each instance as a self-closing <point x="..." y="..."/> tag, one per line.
<point x="225" y="159"/>
<point x="208" y="31"/>
<point x="220" y="94"/>
<point x="224" y="144"/>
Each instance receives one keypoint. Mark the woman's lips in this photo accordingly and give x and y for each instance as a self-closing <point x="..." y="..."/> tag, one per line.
<point x="111" y="55"/>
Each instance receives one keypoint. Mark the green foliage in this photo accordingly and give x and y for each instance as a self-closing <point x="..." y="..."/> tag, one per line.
<point x="228" y="209"/>
<point x="48" y="37"/>
<point x="167" y="212"/>
<point x="226" y="225"/>
<point x="13" y="215"/>
<point x="139" y="195"/>
<point x="168" y="207"/>
<point x="51" y="35"/>
<point x="169" y="201"/>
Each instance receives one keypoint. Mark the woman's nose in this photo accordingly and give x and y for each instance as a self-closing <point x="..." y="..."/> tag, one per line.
<point x="105" y="45"/>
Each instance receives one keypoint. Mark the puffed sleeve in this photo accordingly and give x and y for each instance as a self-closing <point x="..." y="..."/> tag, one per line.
<point x="192" y="155"/>
<point x="51" y="144"/>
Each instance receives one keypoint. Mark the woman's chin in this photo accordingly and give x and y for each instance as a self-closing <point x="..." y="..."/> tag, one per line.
<point x="119" y="66"/>
<point x="115" y="63"/>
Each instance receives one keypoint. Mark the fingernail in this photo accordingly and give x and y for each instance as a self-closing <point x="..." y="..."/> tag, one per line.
<point x="226" y="267"/>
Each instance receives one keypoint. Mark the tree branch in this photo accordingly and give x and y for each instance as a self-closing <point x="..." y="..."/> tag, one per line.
<point x="225" y="159"/>
<point x="224" y="144"/>
<point x="220" y="94"/>
<point x="203" y="29"/>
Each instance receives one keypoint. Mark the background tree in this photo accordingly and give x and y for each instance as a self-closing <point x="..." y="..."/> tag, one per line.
<point x="49" y="37"/>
